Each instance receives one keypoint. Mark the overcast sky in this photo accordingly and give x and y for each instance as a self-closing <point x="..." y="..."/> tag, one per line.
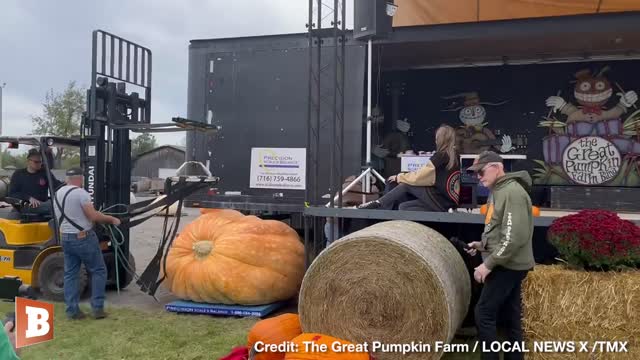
<point x="45" y="44"/>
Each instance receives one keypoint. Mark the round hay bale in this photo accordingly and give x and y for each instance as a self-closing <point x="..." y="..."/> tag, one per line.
<point x="396" y="282"/>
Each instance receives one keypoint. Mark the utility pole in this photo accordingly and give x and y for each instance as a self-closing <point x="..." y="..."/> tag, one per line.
<point x="1" y="150"/>
<point x="1" y="87"/>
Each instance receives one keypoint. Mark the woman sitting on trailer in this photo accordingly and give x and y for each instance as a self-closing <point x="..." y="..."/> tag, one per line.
<point x="433" y="187"/>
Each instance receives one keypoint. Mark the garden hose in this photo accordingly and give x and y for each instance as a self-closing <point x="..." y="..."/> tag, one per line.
<point x="117" y="239"/>
<point x="149" y="277"/>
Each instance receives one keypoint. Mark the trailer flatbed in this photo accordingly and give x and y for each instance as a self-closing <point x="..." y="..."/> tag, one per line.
<point x="457" y="217"/>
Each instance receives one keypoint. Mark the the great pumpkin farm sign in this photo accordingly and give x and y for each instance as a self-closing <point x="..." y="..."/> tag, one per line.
<point x="591" y="160"/>
<point x="599" y="141"/>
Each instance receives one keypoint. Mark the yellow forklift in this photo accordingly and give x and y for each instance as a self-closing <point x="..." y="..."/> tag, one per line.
<point x="30" y="250"/>
<point x="29" y="243"/>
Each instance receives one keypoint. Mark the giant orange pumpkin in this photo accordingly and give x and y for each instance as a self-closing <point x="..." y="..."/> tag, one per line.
<point x="275" y="330"/>
<point x="209" y="210"/>
<point x="226" y="257"/>
<point x="306" y="352"/>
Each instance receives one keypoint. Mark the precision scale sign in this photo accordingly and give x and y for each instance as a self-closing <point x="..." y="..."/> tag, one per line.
<point x="278" y="168"/>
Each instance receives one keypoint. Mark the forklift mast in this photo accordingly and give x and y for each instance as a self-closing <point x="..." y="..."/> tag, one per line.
<point x="105" y="147"/>
<point x="111" y="113"/>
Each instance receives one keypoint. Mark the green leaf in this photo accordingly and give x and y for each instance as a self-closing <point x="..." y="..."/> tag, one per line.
<point x="540" y="162"/>
<point x="61" y="114"/>
<point x="143" y="143"/>
<point x="632" y="116"/>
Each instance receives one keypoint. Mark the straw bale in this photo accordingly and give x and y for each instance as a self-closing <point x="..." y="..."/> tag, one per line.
<point x="395" y="282"/>
<point x="562" y="304"/>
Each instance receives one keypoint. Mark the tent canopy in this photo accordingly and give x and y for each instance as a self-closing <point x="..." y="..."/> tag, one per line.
<point x="432" y="12"/>
<point x="591" y="37"/>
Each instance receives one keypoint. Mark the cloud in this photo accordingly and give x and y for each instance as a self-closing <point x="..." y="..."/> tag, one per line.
<point x="51" y="50"/>
<point x="163" y="113"/>
<point x="16" y="113"/>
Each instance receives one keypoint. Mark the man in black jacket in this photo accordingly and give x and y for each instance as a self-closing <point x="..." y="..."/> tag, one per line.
<point x="32" y="185"/>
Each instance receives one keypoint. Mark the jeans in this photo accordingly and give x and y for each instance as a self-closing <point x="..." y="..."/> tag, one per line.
<point x="327" y="232"/>
<point x="87" y="251"/>
<point x="45" y="208"/>
<point x="501" y="295"/>
<point x="408" y="198"/>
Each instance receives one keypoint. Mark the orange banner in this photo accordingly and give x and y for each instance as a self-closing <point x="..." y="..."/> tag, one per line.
<point x="431" y="12"/>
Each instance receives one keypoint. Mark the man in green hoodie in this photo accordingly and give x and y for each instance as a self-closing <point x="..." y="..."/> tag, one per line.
<point x="506" y="249"/>
<point x="8" y="349"/>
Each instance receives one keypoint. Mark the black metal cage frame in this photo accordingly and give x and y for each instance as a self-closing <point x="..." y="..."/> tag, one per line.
<point x="335" y="33"/>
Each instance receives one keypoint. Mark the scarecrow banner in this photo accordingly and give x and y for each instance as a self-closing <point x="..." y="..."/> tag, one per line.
<point x="473" y="136"/>
<point x="597" y="144"/>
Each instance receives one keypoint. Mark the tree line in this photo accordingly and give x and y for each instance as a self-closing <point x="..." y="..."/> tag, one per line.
<point x="61" y="115"/>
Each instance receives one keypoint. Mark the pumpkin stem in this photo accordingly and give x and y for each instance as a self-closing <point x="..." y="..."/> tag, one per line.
<point x="202" y="249"/>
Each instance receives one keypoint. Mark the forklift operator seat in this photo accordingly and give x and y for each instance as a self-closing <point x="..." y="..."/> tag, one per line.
<point x="25" y="218"/>
<point x="35" y="218"/>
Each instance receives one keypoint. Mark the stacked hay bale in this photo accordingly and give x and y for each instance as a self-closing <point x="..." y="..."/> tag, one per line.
<point x="395" y="282"/>
<point x="561" y="304"/>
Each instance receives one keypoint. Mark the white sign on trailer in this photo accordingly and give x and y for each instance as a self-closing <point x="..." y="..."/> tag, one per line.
<point x="413" y="163"/>
<point x="278" y="168"/>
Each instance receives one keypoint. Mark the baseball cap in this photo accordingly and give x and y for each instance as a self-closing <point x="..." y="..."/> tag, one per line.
<point x="33" y="152"/>
<point x="75" y="171"/>
<point x="483" y="159"/>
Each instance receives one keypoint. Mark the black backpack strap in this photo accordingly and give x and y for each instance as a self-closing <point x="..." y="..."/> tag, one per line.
<point x="62" y="214"/>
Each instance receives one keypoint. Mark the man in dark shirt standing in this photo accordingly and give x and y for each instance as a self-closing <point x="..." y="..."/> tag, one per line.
<point x="31" y="184"/>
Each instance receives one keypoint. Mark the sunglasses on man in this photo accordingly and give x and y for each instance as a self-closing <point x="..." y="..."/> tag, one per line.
<point x="482" y="171"/>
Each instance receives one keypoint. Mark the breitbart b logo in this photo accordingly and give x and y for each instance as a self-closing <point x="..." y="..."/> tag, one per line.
<point x="34" y="322"/>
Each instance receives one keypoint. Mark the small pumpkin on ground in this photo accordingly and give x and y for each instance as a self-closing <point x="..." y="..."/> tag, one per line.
<point x="276" y="330"/>
<point x="226" y="257"/>
<point x="336" y="349"/>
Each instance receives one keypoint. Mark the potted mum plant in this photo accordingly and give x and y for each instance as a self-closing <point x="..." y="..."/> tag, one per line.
<point x="596" y="240"/>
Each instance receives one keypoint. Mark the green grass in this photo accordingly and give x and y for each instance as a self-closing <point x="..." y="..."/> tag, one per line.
<point x="159" y="335"/>
<point x="134" y="334"/>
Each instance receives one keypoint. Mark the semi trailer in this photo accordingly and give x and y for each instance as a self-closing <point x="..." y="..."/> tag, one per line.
<point x="552" y="90"/>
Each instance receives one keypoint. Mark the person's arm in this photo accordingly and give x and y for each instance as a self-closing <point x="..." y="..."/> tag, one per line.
<point x="425" y="176"/>
<point x="513" y="232"/>
<point x="15" y="188"/>
<point x="94" y="215"/>
<point x="8" y="349"/>
<point x="98" y="217"/>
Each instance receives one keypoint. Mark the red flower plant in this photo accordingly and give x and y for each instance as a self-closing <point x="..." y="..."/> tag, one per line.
<point x="596" y="239"/>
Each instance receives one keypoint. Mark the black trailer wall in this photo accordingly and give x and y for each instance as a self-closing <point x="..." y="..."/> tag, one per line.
<point x="257" y="91"/>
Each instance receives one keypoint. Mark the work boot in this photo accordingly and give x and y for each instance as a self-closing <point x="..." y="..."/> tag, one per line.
<point x="99" y="314"/>
<point x="370" y="205"/>
<point x="77" y="316"/>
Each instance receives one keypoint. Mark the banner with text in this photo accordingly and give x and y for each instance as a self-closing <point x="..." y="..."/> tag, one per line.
<point x="278" y="168"/>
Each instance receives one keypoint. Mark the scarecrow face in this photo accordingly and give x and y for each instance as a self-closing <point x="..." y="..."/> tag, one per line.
<point x="473" y="115"/>
<point x="593" y="91"/>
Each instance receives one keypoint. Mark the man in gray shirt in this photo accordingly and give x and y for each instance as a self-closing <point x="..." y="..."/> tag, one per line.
<point x="80" y="243"/>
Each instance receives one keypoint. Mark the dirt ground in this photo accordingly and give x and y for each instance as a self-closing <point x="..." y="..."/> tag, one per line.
<point x="145" y="239"/>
